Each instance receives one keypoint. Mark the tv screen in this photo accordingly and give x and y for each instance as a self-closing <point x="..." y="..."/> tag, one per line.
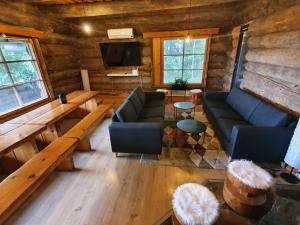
<point x="121" y="54"/>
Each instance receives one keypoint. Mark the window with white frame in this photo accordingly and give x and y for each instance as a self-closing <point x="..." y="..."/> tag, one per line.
<point x="21" y="82"/>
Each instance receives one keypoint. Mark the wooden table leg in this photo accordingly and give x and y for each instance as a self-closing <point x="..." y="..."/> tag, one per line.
<point x="9" y="163"/>
<point x="110" y="113"/>
<point x="84" y="145"/>
<point x="67" y="164"/>
<point x="26" y="151"/>
<point x="48" y="136"/>
<point x="91" y="105"/>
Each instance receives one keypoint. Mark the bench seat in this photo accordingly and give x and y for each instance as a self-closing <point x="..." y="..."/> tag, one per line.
<point x="88" y="123"/>
<point x="18" y="186"/>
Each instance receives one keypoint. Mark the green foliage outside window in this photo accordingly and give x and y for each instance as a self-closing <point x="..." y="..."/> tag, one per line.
<point x="184" y="60"/>
<point x="20" y="80"/>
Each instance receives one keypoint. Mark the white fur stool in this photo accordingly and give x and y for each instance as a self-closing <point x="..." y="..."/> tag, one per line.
<point x="245" y="187"/>
<point x="194" y="204"/>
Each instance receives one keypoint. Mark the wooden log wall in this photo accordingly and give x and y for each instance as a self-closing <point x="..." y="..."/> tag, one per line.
<point x="89" y="51"/>
<point x="218" y="67"/>
<point x="253" y="9"/>
<point x="272" y="66"/>
<point x="58" y="47"/>
<point x="234" y="42"/>
<point x="218" y="73"/>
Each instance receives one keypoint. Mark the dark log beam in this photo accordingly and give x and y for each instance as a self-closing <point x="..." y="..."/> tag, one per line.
<point x="60" y="2"/>
<point x="125" y="7"/>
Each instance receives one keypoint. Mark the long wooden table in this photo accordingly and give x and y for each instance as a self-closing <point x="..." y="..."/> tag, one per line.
<point x="21" y="136"/>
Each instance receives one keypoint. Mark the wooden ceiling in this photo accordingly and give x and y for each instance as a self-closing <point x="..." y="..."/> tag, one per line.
<point x="92" y="8"/>
<point x="62" y="2"/>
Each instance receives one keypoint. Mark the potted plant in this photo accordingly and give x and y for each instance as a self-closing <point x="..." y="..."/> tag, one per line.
<point x="179" y="84"/>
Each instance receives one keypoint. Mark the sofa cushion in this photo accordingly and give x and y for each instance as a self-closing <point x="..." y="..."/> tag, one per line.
<point x="216" y="104"/>
<point x="267" y="115"/>
<point x="226" y="126"/>
<point x="242" y="102"/>
<point x="152" y="112"/>
<point x="151" y="119"/>
<point x="126" y="112"/>
<point x="155" y="102"/>
<point x="225" y="113"/>
<point x="141" y="94"/>
<point x="137" y="104"/>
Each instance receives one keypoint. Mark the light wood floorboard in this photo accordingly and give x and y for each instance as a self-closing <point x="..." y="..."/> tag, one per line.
<point x="106" y="190"/>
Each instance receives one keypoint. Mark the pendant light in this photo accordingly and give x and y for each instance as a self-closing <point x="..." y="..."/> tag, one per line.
<point x="188" y="38"/>
<point x="86" y="27"/>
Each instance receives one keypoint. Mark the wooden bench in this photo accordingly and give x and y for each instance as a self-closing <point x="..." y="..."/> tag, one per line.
<point x="86" y="125"/>
<point x="17" y="187"/>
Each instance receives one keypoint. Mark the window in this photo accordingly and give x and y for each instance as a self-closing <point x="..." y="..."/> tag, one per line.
<point x="21" y="83"/>
<point x="184" y="60"/>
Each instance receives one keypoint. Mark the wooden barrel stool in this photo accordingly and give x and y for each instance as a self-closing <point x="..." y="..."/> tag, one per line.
<point x="196" y="96"/>
<point x="194" y="204"/>
<point x="245" y="187"/>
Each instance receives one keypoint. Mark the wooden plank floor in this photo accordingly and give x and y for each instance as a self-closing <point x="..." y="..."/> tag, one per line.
<point x="107" y="190"/>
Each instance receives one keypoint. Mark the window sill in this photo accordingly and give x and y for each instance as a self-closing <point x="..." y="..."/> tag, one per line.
<point x="10" y="115"/>
<point x="189" y="86"/>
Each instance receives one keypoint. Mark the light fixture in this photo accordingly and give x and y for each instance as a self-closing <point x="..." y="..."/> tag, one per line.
<point x="87" y="28"/>
<point x="188" y="38"/>
<point x="3" y="35"/>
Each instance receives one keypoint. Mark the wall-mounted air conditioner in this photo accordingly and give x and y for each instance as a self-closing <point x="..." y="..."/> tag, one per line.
<point x="123" y="33"/>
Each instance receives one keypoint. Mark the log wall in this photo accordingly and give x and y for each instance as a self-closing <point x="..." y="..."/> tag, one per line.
<point x="219" y="63"/>
<point x="58" y="47"/>
<point x="272" y="66"/>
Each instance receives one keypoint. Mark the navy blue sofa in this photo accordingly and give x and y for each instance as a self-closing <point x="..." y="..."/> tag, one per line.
<point x="248" y="127"/>
<point x="137" y="125"/>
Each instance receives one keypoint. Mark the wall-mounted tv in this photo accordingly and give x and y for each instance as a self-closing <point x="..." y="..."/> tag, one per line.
<point x="121" y="54"/>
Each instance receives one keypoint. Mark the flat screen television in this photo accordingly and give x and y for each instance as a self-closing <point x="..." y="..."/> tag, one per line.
<point x="121" y="54"/>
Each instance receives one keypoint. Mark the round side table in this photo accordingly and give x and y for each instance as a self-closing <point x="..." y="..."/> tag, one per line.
<point x="186" y="106"/>
<point x="196" y="96"/>
<point x="192" y="128"/>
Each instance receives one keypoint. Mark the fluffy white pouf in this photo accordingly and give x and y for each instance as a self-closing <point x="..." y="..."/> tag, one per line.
<point x="194" y="204"/>
<point x="250" y="174"/>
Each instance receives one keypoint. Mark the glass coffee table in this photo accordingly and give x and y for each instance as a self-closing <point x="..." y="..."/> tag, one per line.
<point x="188" y="107"/>
<point x="193" y="129"/>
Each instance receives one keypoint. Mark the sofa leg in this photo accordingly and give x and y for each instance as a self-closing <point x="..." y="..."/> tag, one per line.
<point x="158" y="157"/>
<point x="116" y="154"/>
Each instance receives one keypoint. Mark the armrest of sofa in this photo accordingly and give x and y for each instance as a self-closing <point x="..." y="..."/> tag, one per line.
<point x="216" y="95"/>
<point x="153" y="95"/>
<point x="262" y="144"/>
<point x="136" y="137"/>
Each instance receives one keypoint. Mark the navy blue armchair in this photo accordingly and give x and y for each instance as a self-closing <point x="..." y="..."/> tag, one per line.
<point x="137" y="125"/>
<point x="248" y="127"/>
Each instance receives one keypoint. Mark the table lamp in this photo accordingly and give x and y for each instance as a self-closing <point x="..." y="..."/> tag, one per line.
<point x="292" y="157"/>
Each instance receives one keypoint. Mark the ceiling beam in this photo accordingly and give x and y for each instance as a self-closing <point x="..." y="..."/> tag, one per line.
<point x="125" y="7"/>
<point x="183" y="33"/>
<point x="58" y="2"/>
<point x="20" y="31"/>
